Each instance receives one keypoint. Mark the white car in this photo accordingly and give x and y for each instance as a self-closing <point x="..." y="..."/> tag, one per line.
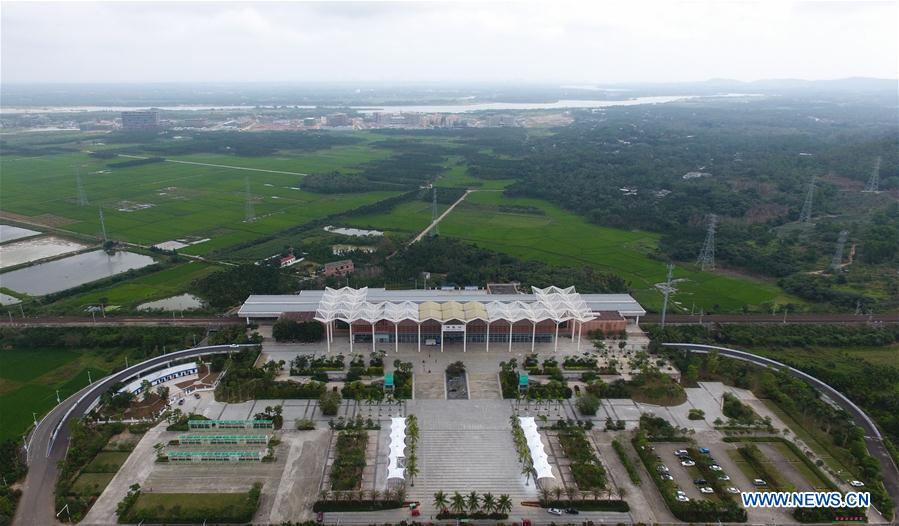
<point x="706" y="489"/>
<point x="662" y="468"/>
<point x="715" y="467"/>
<point x="723" y="477"/>
<point x="856" y="483"/>
<point x="687" y="463"/>
<point x="667" y="476"/>
<point x="682" y="498"/>
<point x="759" y="482"/>
<point x="680" y="452"/>
<point x="554" y="511"/>
<point x="732" y="490"/>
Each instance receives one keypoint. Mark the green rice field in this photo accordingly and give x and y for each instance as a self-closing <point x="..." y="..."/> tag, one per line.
<point x="29" y="379"/>
<point x="158" y="202"/>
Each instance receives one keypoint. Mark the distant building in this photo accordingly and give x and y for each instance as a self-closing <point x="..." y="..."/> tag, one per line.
<point x="338" y="119"/>
<point x="339" y="268"/>
<point x="310" y="121"/>
<point x="140" y="120"/>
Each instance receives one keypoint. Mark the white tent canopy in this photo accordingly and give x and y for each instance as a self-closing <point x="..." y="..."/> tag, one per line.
<point x="395" y="455"/>
<point x="541" y="461"/>
<point x="552" y="303"/>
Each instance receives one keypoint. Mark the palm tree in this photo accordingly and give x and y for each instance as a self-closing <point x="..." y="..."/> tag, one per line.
<point x="457" y="503"/>
<point x="474" y="503"/>
<point x="544" y="495"/>
<point x="526" y="471"/>
<point x="597" y="492"/>
<point x="374" y="494"/>
<point x="504" y="504"/>
<point x="440" y="500"/>
<point x="571" y="492"/>
<point x="412" y="467"/>
<point x="489" y="502"/>
<point x="400" y="493"/>
<point x="557" y="492"/>
<point x="585" y="495"/>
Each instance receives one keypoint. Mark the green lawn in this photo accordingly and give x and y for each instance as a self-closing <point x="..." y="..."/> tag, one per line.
<point x="561" y="238"/>
<point x="407" y="218"/>
<point x="29" y="379"/>
<point x="107" y="462"/>
<point x="92" y="483"/>
<point x="810" y="477"/>
<point x="128" y="295"/>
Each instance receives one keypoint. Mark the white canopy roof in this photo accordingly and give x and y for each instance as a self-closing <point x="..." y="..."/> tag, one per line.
<point x="552" y="303"/>
<point x="395" y="453"/>
<point x="541" y="461"/>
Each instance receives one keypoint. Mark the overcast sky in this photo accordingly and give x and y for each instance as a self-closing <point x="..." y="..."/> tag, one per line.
<point x="585" y="42"/>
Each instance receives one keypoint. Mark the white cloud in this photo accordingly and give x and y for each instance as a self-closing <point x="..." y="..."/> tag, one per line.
<point x="547" y="41"/>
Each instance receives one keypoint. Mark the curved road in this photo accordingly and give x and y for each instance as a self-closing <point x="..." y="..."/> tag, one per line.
<point x="49" y="441"/>
<point x="873" y="438"/>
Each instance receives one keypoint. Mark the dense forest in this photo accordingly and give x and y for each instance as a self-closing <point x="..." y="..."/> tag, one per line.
<point x="666" y="168"/>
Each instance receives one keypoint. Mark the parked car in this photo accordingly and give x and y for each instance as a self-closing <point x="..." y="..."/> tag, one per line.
<point x="181" y="402"/>
<point x="681" y="496"/>
<point x="715" y="467"/>
<point x="733" y="490"/>
<point x="706" y="489"/>
<point x="700" y="482"/>
<point x="662" y="468"/>
<point x="572" y="511"/>
<point x="723" y="477"/>
<point x="680" y="452"/>
<point x="554" y="511"/>
<point x="320" y="517"/>
<point x="704" y="450"/>
<point x="856" y="483"/>
<point x="197" y="396"/>
<point x="667" y="476"/>
<point x="687" y="463"/>
<point x="759" y="483"/>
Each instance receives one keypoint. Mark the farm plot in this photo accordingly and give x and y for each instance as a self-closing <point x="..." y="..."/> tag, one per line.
<point x="162" y="201"/>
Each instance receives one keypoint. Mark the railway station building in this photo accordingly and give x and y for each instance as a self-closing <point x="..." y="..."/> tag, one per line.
<point x="371" y="316"/>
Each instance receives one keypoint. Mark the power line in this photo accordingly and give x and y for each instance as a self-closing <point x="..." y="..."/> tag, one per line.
<point x="434" y="231"/>
<point x="805" y="215"/>
<point x="666" y="291"/>
<point x="80" y="196"/>
<point x="103" y="227"/>
<point x="249" y="213"/>
<point x="838" y="253"/>
<point x="706" y="259"/>
<point x="874" y="182"/>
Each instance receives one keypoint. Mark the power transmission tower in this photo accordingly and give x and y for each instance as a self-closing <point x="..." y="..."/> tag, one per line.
<point x="874" y="182"/>
<point x="103" y="227"/>
<point x="81" y="197"/>
<point x="706" y="259"/>
<point x="805" y="215"/>
<point x="838" y="253"/>
<point x="249" y="213"/>
<point x="667" y="291"/>
<point x="434" y="231"/>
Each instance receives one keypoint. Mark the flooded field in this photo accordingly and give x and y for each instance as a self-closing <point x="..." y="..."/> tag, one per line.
<point x="11" y="233"/>
<point x="27" y="250"/>
<point x="62" y="274"/>
<point x="353" y="231"/>
<point x="174" y="303"/>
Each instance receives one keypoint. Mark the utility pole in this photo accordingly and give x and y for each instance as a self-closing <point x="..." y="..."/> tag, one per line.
<point x="57" y="396"/>
<point x="250" y="214"/>
<point x="434" y="231"/>
<point x="34" y="416"/>
<point x="89" y="381"/>
<point x="666" y="291"/>
<point x="103" y="227"/>
<point x="837" y="259"/>
<point x="706" y="259"/>
<point x="873" y="185"/>
<point x="805" y="216"/>
<point x="80" y="196"/>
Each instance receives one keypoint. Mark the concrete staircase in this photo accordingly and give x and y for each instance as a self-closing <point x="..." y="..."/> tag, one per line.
<point x="466" y="445"/>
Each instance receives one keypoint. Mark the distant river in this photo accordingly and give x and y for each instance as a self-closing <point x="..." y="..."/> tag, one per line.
<point x="426" y="108"/>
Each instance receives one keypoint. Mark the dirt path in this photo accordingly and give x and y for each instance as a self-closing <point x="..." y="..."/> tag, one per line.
<point x="435" y="222"/>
